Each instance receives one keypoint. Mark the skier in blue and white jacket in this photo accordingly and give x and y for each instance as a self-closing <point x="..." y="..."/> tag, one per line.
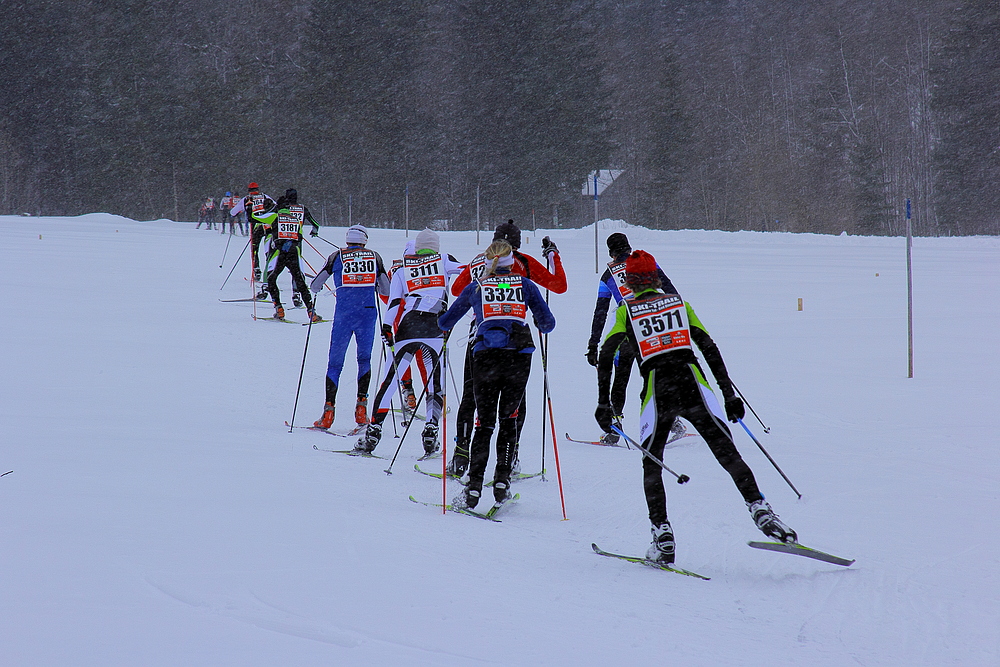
<point x="358" y="273"/>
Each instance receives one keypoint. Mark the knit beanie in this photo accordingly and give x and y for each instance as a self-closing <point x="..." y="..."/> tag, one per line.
<point x="640" y="271"/>
<point x="411" y="248"/>
<point x="357" y="235"/>
<point x="428" y="240"/>
<point x="510" y="233"/>
<point x="618" y="245"/>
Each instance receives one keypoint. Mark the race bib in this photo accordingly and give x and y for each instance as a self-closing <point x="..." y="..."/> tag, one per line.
<point x="396" y="263"/>
<point x="660" y="324"/>
<point x="258" y="203"/>
<point x="617" y="270"/>
<point x="503" y="298"/>
<point x="477" y="267"/>
<point x="424" y="272"/>
<point x="358" y="268"/>
<point x="290" y="222"/>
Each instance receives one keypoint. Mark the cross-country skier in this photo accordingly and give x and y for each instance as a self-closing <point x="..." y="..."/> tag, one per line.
<point x="287" y="233"/>
<point x="663" y="328"/>
<point x="357" y="274"/>
<point x="409" y="398"/>
<point x="501" y="361"/>
<point x="260" y="212"/>
<point x="226" y="205"/>
<point x="524" y="265"/>
<point x="420" y="289"/>
<point x="206" y="214"/>
<point x="612" y="286"/>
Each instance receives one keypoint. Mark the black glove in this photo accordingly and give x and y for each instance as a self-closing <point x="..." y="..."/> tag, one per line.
<point x="548" y="247"/>
<point x="314" y="233"/>
<point x="734" y="409"/>
<point x="604" y="415"/>
<point x="387" y="334"/>
<point x="592" y="356"/>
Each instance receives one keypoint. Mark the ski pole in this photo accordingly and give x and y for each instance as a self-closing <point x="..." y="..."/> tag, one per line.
<point x="444" y="429"/>
<point x="747" y="403"/>
<point x="388" y="471"/>
<point x="785" y="477"/>
<point x="681" y="479"/>
<point x="234" y="265"/>
<point x="295" y="407"/>
<point x="225" y="251"/>
<point x="552" y="422"/>
<point x="396" y="376"/>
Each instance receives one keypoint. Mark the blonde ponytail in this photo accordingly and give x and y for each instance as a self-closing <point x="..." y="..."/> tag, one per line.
<point x="497" y="250"/>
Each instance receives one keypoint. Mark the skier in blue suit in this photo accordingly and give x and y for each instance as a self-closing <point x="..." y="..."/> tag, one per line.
<point x="358" y="273"/>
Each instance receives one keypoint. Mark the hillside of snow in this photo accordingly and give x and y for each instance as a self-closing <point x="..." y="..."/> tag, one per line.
<point x="160" y="513"/>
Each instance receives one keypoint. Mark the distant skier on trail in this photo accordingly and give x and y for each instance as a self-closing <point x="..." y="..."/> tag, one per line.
<point x="501" y="362"/>
<point x="226" y="205"/>
<point x="612" y="286"/>
<point x="206" y="214"/>
<point x="419" y="288"/>
<point x="523" y="265"/>
<point x="260" y="211"/>
<point x="662" y="328"/>
<point x="358" y="274"/>
<point x="287" y="233"/>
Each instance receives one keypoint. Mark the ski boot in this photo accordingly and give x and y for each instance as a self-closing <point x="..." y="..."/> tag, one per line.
<point x="279" y="312"/>
<point x="677" y="430"/>
<point x="610" y="438"/>
<point x="468" y="498"/>
<point x="296" y="300"/>
<point x="429" y="437"/>
<point x="368" y="442"/>
<point x="326" y="421"/>
<point x="263" y="296"/>
<point x="460" y="459"/>
<point x="501" y="489"/>
<point x="361" y="410"/>
<point x="769" y="524"/>
<point x="662" y="549"/>
<point x="314" y="318"/>
<point x="256" y="275"/>
<point x="409" y="398"/>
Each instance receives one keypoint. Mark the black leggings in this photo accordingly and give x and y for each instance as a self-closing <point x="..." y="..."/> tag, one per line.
<point x="289" y="259"/>
<point x="466" y="417"/>
<point x="500" y="377"/>
<point x="677" y="393"/>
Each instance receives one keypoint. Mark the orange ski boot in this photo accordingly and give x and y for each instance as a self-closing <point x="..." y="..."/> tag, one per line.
<point x="326" y="421"/>
<point x="361" y="410"/>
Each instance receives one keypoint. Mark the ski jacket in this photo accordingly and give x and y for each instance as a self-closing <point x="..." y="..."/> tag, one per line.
<point x="609" y="288"/>
<point x="501" y="303"/>
<point x="668" y="326"/>
<point x="260" y="209"/>
<point x="358" y="274"/>
<point x="524" y="265"/>
<point x="418" y="293"/>
<point x="287" y="226"/>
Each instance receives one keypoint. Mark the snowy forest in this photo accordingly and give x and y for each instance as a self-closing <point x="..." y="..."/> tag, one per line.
<point x="779" y="116"/>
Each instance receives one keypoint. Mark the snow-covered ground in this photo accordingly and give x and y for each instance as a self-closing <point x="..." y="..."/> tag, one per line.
<point x="159" y="512"/>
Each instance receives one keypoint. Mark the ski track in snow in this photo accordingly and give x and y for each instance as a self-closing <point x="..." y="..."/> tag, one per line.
<point x="144" y="420"/>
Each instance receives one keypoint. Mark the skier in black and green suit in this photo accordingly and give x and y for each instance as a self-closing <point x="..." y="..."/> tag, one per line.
<point x="662" y="328"/>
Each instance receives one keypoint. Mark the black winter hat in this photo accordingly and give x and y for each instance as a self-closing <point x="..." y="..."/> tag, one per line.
<point x="291" y="196"/>
<point x="508" y="232"/>
<point x="618" y="245"/>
